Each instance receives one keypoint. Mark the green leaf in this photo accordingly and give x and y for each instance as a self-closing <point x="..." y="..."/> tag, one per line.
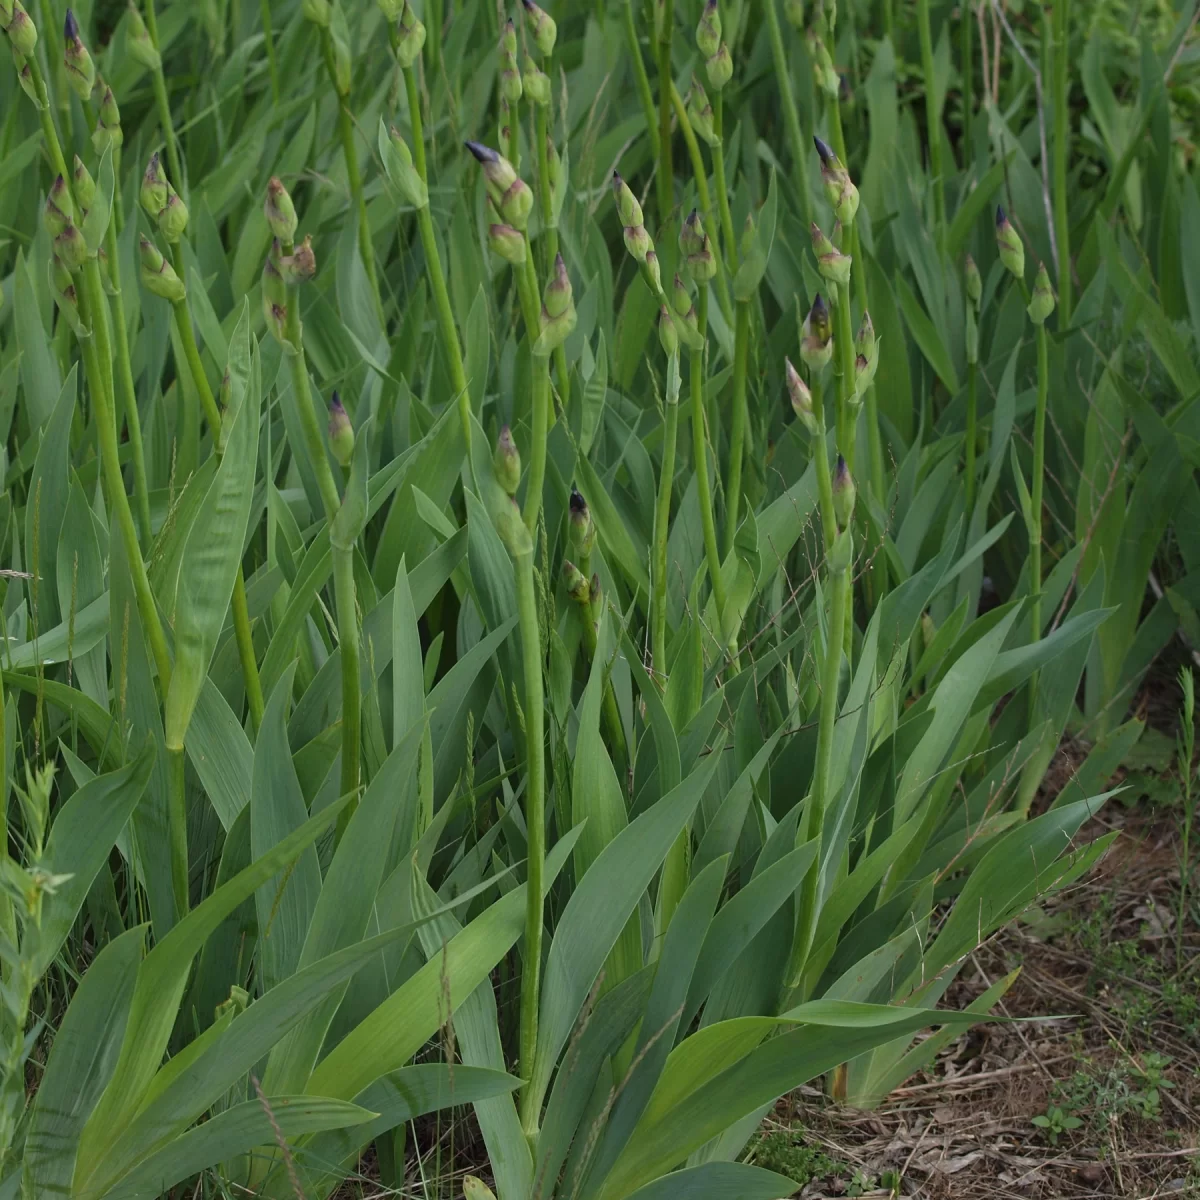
<point x="95" y="224"/>
<point x="754" y="265"/>
<point x="926" y="335"/>
<point x="594" y="393"/>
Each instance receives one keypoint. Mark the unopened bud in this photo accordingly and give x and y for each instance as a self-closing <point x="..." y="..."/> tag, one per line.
<point x="81" y="71"/>
<point x="557" y="295"/>
<point x="59" y="211"/>
<point x="708" y="31"/>
<point x="21" y="30"/>
<point x="510" y="194"/>
<point x="816" y="336"/>
<point x="274" y="298"/>
<point x="542" y="27"/>
<point x="141" y="47"/>
<point x="700" y="113"/>
<point x="681" y="299"/>
<point x="85" y="187"/>
<point x="575" y="583"/>
<point x="696" y="248"/>
<point x="558" y="310"/>
<point x="597" y="593"/>
<point x="719" y="67"/>
<point x="652" y="271"/>
<point x="839" y="189"/>
<point x="553" y="162"/>
<point x="1008" y="240"/>
<point x="511" y="86"/>
<point x="341" y="431"/>
<point x="1041" y="303"/>
<point x="582" y="529"/>
<point x="341" y="66"/>
<point x="535" y="82"/>
<point x="280" y="211"/>
<point x="864" y="340"/>
<point x="154" y="189"/>
<point x="844" y="493"/>
<point x="299" y="266"/>
<point x="638" y="242"/>
<point x="158" y="276"/>
<point x="108" y="123"/>
<point x="71" y="248"/>
<point x="801" y="398"/>
<point x="173" y="219"/>
<point x="667" y="337"/>
<point x="974" y="281"/>
<point x="831" y="262"/>
<point x="628" y="208"/>
<point x="825" y="75"/>
<point x="319" y="12"/>
<point x="391" y="9"/>
<point x="506" y="462"/>
<point x="507" y="242"/>
<point x="410" y="36"/>
<point x="62" y="287"/>
<point x="25" y="76"/>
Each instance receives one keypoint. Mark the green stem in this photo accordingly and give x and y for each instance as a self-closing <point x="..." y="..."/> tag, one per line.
<point x="718" y="158"/>
<point x="844" y="345"/>
<point x="818" y="801"/>
<point x="545" y="197"/>
<point x="662" y="523"/>
<point x="347" y="623"/>
<point x="447" y="328"/>
<point x="540" y="417"/>
<point x="269" y="39"/>
<point x="737" y="429"/>
<point x="824" y="478"/>
<point x="1039" y="465"/>
<point x="177" y="829"/>
<point x="666" y="182"/>
<point x="640" y="78"/>
<point x="932" y="120"/>
<point x="535" y="825"/>
<point x="366" y="247"/>
<point x="972" y="390"/>
<point x="791" y="116"/>
<point x="163" y="105"/>
<point x="966" y="53"/>
<point x="700" y="462"/>
<point x="1062" y="228"/>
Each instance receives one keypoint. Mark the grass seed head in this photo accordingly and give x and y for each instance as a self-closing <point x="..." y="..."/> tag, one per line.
<point x="1041" y="303"/>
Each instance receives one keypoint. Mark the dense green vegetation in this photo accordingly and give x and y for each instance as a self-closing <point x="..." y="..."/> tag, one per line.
<point x="546" y="564"/>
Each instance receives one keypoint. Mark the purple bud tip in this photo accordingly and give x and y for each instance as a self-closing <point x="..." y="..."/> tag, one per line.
<point x="70" y="27"/>
<point x="1001" y="215"/>
<point x="483" y="154"/>
<point x="578" y="503"/>
<point x="840" y="470"/>
<point x="509" y="27"/>
<point x="693" y="217"/>
<point x="335" y="405"/>
<point x="529" y="5"/>
<point x="560" y="267"/>
<point x="823" y="149"/>
<point x="818" y="306"/>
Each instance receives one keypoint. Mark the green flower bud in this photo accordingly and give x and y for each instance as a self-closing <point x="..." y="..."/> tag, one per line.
<point x="628" y="208"/>
<point x="708" y="32"/>
<point x="510" y="194"/>
<point x="280" y="211"/>
<point x="553" y="162"/>
<point x="841" y="554"/>
<point x="748" y="234"/>
<point x="22" y="32"/>
<point x="506" y="462"/>
<point x="971" y="336"/>
<point x="1041" y="304"/>
<point x="974" y="282"/>
<point x="25" y="77"/>
<point x="557" y="295"/>
<point x="155" y="187"/>
<point x="864" y="340"/>
<point x="536" y="83"/>
<point x="554" y="330"/>
<point x="507" y="242"/>
<point x="541" y="27"/>
<point x="108" y="122"/>
<point x="341" y="431"/>
<point x="831" y="262"/>
<point x="839" y="190"/>
<point x="410" y="37"/>
<point x="816" y="336"/>
<point x="862" y="379"/>
<point x="71" y="248"/>
<point x="825" y="75"/>
<point x="319" y="12"/>
<point x="6" y="12"/>
<point x="506" y="517"/>
<point x="85" y="187"/>
<point x="638" y="242"/>
<point x="158" y="276"/>
<point x="844" y="493"/>
<point x="508" y="38"/>
<point x="81" y="71"/>
<point x="299" y="266"/>
<point x="575" y="583"/>
<point x="801" y="398"/>
<point x="652" y="272"/>
<point x="667" y="336"/>
<point x="59" y="211"/>
<point x="341" y="66"/>
<point x="700" y="113"/>
<point x="511" y="86"/>
<point x="62" y="288"/>
<point x="1012" y="249"/>
<point x="141" y="47"/>
<point x="696" y="248"/>
<point x="720" y="67"/>
<point x="597" y="594"/>
<point x="581" y="527"/>
<point x="793" y="10"/>
<point x="173" y="219"/>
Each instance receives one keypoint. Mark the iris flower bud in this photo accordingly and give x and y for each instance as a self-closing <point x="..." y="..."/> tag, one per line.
<point x="801" y="398"/>
<point x="1008" y="240"/>
<point x="274" y="298"/>
<point x="21" y="30"/>
<point x="62" y="287"/>
<point x="793" y="10"/>
<point x="59" y="211"/>
<point x="581" y="528"/>
<point x="816" y="336"/>
<point x="831" y="262"/>
<point x="700" y="113"/>
<point x="719" y="67"/>
<point x="535" y="82"/>
<point x="542" y="27"/>
<point x="154" y="189"/>
<point x="341" y="431"/>
<point x="844" y="493"/>
<point x="173" y="219"/>
<point x="708" y="32"/>
<point x="299" y="266"/>
<point x="575" y="583"/>
<point x="667" y="337"/>
<point x="81" y="71"/>
<point x="1041" y="304"/>
<point x="410" y="39"/>
<point x="974" y="282"/>
<point x="108" y="121"/>
<point x="318" y="12"/>
<point x="158" y="276"/>
<point x="696" y="247"/>
<point x="141" y="47"/>
<point x="628" y="208"/>
<point x="558" y="310"/>
<point x="506" y="462"/>
<point x="680" y="297"/>
<point x="839" y="190"/>
<point x="653" y="272"/>
<point x="85" y="187"/>
<point x="509" y="193"/>
<point x="280" y="211"/>
<point x="510" y="77"/>
<point x="507" y="242"/>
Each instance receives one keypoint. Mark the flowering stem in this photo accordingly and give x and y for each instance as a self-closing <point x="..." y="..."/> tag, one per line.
<point x="163" y="105"/>
<point x="1039" y="464"/>
<point x="821" y="459"/>
<point x="700" y="462"/>
<point x="718" y="157"/>
<point x="451" y="346"/>
<point x="269" y="39"/>
<point x="527" y="289"/>
<point x="666" y="182"/>
<point x="641" y="79"/>
<point x="535" y="824"/>
<point x="1062" y="227"/>
<point x="366" y="248"/>
<point x="844" y="344"/>
<point x="737" y="429"/>
<point x="791" y="117"/>
<point x="662" y="520"/>
<point x="550" y="232"/>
